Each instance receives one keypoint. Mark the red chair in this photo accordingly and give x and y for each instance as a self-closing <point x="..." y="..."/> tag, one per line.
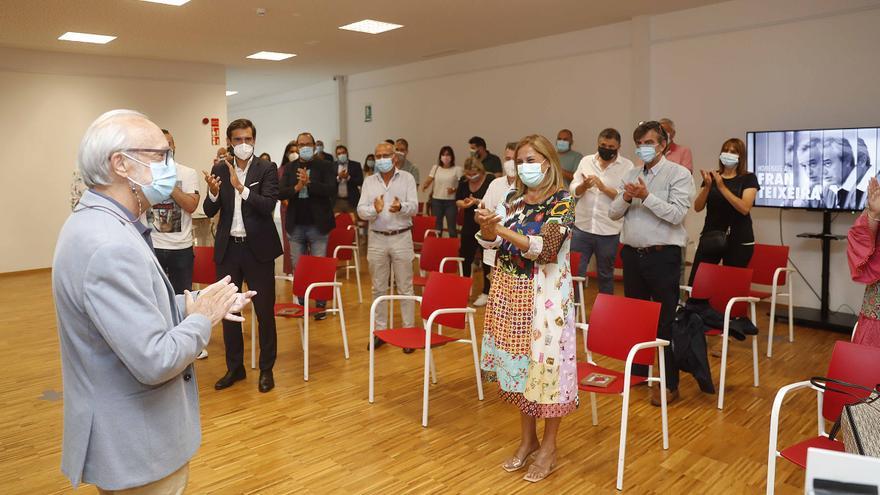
<point x="204" y="269"/>
<point x="574" y="260"/>
<point x="626" y="330"/>
<point x="444" y="303"/>
<point x="439" y="254"/>
<point x="314" y="278"/>
<point x="770" y="266"/>
<point x="724" y="287"/>
<point x="340" y="245"/>
<point x="618" y="267"/>
<point x="343" y="220"/>
<point x="852" y="363"/>
<point x="423" y="226"/>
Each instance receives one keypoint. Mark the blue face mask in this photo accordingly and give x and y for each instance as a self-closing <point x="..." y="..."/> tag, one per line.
<point x="729" y="160"/>
<point x="164" y="179"/>
<point x="384" y="165"/>
<point x="562" y="145"/>
<point x="343" y="158"/>
<point x="319" y="149"/>
<point x="531" y="173"/>
<point x="306" y="153"/>
<point x="646" y="152"/>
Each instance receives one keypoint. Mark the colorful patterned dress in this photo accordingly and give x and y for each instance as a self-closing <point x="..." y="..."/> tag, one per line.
<point x="864" y="266"/>
<point x="529" y="341"/>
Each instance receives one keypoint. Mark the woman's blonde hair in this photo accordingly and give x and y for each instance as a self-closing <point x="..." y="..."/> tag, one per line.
<point x="552" y="179"/>
<point x="474" y="163"/>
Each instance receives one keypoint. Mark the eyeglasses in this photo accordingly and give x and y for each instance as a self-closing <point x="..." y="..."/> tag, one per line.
<point x="166" y="153"/>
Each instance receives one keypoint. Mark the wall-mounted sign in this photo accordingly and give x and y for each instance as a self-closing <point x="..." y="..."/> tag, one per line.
<point x="215" y="132"/>
<point x="368" y="113"/>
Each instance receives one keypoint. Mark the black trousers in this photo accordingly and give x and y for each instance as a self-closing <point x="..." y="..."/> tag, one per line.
<point x="468" y="251"/>
<point x="653" y="275"/>
<point x="735" y="255"/>
<point x="240" y="264"/>
<point x="178" y="265"/>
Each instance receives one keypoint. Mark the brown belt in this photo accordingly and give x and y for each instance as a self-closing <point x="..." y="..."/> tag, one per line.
<point x="391" y="232"/>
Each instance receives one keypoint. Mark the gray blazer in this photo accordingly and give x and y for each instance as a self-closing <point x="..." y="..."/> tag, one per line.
<point x="131" y="405"/>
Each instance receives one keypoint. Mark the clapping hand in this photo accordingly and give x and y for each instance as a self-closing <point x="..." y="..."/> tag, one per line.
<point x="343" y="174"/>
<point x="242" y="299"/>
<point x="873" y="205"/>
<point x="233" y="178"/>
<point x="214" y="302"/>
<point x="470" y="201"/>
<point x="639" y="190"/>
<point x="707" y="178"/>
<point x="719" y="181"/>
<point x="488" y="222"/>
<point x="213" y="183"/>
<point x="395" y="205"/>
<point x="379" y="204"/>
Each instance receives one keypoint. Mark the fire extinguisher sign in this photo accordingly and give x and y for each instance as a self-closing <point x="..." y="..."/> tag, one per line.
<point x="215" y="131"/>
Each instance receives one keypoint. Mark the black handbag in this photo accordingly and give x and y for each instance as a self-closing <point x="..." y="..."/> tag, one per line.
<point x="714" y="242"/>
<point x="859" y="422"/>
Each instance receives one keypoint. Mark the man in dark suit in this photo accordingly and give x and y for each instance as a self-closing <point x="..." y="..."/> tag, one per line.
<point x="309" y="185"/>
<point x="350" y="177"/>
<point x="244" y="190"/>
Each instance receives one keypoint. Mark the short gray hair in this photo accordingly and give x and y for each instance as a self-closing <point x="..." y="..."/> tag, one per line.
<point x="105" y="136"/>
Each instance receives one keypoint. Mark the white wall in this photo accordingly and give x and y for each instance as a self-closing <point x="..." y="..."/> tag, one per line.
<point x="279" y="119"/>
<point x="718" y="71"/>
<point x="48" y="100"/>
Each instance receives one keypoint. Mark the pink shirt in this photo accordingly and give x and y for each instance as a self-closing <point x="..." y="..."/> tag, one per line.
<point x="864" y="267"/>
<point x="680" y="155"/>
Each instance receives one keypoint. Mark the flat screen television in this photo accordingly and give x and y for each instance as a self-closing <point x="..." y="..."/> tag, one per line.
<point x="816" y="169"/>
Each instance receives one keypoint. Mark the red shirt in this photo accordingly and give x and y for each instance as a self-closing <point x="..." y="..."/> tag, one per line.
<point x="680" y="155"/>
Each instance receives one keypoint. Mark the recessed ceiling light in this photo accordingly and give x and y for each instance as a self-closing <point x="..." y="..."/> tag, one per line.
<point x="230" y="93"/>
<point x="276" y="56"/>
<point x="176" y="3"/>
<point x="99" y="39"/>
<point x="370" y="26"/>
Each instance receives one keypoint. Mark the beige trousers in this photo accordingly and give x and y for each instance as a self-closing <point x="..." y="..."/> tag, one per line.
<point x="383" y="252"/>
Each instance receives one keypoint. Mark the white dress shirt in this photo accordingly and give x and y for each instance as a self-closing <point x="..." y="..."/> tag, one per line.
<point x="658" y="220"/>
<point x="591" y="211"/>
<point x="237" y="229"/>
<point x="343" y="183"/>
<point x="401" y="186"/>
<point x="496" y="193"/>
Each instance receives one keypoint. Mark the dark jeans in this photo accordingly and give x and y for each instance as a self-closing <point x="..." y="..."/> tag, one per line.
<point x="303" y="239"/>
<point x="445" y="208"/>
<point x="178" y="265"/>
<point x="240" y="264"/>
<point x="735" y="255"/>
<point x="468" y="251"/>
<point x="652" y="275"/>
<point x="605" y="249"/>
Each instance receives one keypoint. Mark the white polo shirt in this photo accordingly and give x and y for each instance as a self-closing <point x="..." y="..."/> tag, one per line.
<point x="591" y="210"/>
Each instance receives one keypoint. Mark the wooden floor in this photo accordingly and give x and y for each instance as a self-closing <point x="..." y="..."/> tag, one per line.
<point x="324" y="437"/>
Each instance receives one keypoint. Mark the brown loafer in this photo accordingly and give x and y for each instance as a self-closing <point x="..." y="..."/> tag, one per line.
<point x="671" y="396"/>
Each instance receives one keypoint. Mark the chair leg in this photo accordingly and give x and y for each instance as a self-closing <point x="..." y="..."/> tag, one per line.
<point x="594" y="409"/>
<point x="254" y="338"/>
<point x="772" y="323"/>
<point x="391" y="301"/>
<point x="433" y="370"/>
<point x="621" y="454"/>
<point x="306" y="344"/>
<point x="342" y="323"/>
<point x="476" y="358"/>
<point x="425" y="387"/>
<point x="664" y="417"/>
<point x="372" y="364"/>
<point x="724" y="342"/>
<point x="790" y="309"/>
<point x="583" y="305"/>
<point x="357" y="277"/>
<point x="755" y="348"/>
<point x="651" y="372"/>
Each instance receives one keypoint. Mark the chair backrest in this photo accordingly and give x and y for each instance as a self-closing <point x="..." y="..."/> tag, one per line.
<point x="443" y="291"/>
<point x="312" y="269"/>
<point x="574" y="260"/>
<point x="618" y="323"/>
<point x="343" y="220"/>
<point x="765" y="260"/>
<point x="421" y="224"/>
<point x="340" y="236"/>
<point x="853" y="363"/>
<point x="204" y="269"/>
<point x="719" y="284"/>
<point x="435" y="249"/>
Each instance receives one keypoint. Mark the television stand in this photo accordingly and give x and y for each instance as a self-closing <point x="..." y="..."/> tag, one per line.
<point x="823" y="317"/>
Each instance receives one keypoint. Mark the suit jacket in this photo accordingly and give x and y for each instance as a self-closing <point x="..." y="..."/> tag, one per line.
<point x="131" y="403"/>
<point x="355" y="181"/>
<point x="322" y="191"/>
<point x="256" y="210"/>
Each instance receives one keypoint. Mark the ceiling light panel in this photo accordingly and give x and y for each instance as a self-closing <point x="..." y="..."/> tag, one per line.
<point x="370" y="26"/>
<point x="275" y="56"/>
<point x="99" y="39"/>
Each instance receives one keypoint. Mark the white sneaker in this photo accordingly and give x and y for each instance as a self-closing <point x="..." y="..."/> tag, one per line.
<point x="203" y="354"/>
<point x="481" y="300"/>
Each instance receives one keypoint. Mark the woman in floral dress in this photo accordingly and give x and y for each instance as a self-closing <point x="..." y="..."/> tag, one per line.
<point x="529" y="338"/>
<point x="864" y="266"/>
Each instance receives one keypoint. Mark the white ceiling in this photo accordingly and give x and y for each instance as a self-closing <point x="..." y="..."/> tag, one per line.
<point x="225" y="31"/>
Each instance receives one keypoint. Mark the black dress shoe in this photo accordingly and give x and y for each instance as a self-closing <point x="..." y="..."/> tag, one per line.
<point x="408" y="350"/>
<point x="229" y="378"/>
<point x="378" y="343"/>
<point x="267" y="383"/>
<point x="321" y="316"/>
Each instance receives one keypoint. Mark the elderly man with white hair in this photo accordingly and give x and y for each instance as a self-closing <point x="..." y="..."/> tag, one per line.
<point x="131" y="409"/>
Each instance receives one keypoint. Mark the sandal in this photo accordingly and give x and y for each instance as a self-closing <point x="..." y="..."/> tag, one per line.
<point x="537" y="473"/>
<point x="515" y="463"/>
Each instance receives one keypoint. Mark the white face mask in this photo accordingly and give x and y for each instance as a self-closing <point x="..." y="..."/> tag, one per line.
<point x="509" y="168"/>
<point x="293" y="156"/>
<point x="243" y="151"/>
<point x="446" y="159"/>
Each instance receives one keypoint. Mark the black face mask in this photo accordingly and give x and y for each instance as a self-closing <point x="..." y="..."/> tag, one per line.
<point x="607" y="154"/>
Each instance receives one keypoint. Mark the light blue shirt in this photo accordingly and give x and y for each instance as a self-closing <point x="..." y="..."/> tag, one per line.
<point x="401" y="186"/>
